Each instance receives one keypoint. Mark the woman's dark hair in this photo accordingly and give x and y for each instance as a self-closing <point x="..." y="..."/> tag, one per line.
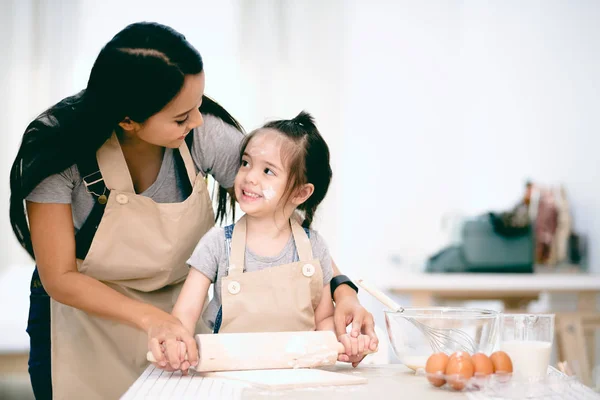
<point x="135" y="75"/>
<point x="307" y="158"/>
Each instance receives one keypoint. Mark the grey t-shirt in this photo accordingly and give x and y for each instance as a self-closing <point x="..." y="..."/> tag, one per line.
<point x="215" y="151"/>
<point x="211" y="258"/>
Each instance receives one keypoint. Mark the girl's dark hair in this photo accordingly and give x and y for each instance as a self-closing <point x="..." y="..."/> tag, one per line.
<point x="135" y="75"/>
<point x="307" y="158"/>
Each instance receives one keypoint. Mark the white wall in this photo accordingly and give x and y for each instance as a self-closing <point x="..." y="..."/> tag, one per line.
<point x="452" y="106"/>
<point x="36" y="69"/>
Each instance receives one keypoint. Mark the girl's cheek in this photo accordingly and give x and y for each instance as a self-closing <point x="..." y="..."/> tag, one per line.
<point x="268" y="193"/>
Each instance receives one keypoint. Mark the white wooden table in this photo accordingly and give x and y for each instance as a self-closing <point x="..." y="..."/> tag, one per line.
<point x="384" y="382"/>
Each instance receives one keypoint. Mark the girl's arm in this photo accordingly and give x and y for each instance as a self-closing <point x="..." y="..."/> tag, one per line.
<point x="53" y="242"/>
<point x="190" y="302"/>
<point x="324" y="312"/>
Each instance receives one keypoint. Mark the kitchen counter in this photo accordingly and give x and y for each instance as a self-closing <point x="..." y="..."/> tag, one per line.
<point x="384" y="382"/>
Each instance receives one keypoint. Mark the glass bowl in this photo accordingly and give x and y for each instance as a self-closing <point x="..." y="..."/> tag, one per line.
<point x="416" y="333"/>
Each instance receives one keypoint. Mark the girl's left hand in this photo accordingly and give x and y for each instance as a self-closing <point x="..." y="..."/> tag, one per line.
<point x="171" y="344"/>
<point x="183" y="360"/>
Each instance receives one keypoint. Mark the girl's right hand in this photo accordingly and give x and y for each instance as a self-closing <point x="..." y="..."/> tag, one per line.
<point x="170" y="342"/>
<point x="355" y="346"/>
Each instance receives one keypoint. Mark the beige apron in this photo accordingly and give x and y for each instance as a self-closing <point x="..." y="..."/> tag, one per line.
<point x="140" y="249"/>
<point x="275" y="299"/>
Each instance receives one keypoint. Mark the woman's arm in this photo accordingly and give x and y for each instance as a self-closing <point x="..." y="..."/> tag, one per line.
<point x="53" y="241"/>
<point x="348" y="310"/>
<point x="354" y="346"/>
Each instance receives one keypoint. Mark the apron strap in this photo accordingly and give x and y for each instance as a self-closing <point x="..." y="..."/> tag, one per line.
<point x="115" y="172"/>
<point x="113" y="166"/>
<point x="238" y="245"/>
<point x="94" y="185"/>
<point x="94" y="181"/>
<point x="184" y="150"/>
<point x="303" y="246"/>
<point x="238" y="248"/>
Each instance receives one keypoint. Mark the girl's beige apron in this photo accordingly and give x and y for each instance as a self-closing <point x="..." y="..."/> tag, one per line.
<point x="281" y="298"/>
<point x="140" y="249"/>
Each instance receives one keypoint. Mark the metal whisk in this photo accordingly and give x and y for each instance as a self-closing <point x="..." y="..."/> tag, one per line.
<point x="438" y="338"/>
<point x="446" y="338"/>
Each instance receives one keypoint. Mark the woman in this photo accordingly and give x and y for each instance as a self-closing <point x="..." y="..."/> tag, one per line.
<point x="113" y="179"/>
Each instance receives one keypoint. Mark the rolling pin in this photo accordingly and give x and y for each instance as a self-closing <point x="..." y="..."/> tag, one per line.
<point x="265" y="350"/>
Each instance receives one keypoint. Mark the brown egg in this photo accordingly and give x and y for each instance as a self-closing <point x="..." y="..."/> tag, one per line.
<point x="502" y="362"/>
<point x="482" y="365"/>
<point x="460" y="354"/>
<point x="436" y="364"/>
<point x="459" y="370"/>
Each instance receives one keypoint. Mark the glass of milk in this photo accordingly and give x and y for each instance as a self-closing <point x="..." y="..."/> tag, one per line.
<point x="527" y="339"/>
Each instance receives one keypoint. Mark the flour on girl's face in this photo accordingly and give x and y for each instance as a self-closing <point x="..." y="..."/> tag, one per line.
<point x="255" y="152"/>
<point x="267" y="143"/>
<point x="268" y="193"/>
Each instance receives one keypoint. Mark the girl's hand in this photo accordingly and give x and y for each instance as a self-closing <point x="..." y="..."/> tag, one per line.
<point x="183" y="357"/>
<point x="172" y="346"/>
<point x="356" y="348"/>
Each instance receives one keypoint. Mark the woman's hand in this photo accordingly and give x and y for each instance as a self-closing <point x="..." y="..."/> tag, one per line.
<point x="172" y="346"/>
<point x="348" y="310"/>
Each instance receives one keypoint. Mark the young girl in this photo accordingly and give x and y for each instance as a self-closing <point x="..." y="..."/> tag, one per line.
<point x="270" y="272"/>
